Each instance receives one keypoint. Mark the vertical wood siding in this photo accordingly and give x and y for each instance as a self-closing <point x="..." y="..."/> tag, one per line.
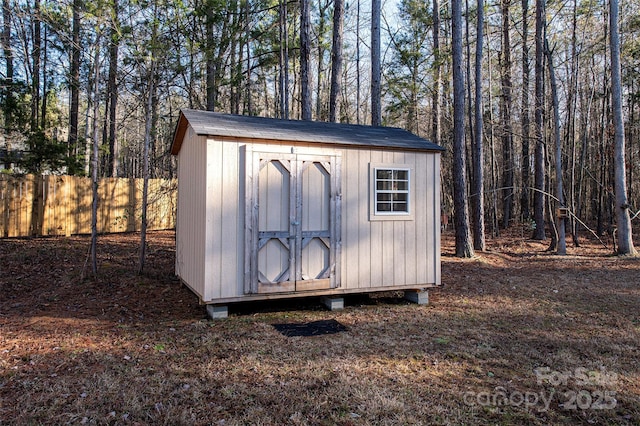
<point x="192" y="214"/>
<point x="390" y="252"/>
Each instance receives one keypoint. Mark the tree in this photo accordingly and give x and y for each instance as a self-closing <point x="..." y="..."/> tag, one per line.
<point x="623" y="219"/>
<point x="505" y="109"/>
<point x="305" y="59"/>
<point x="284" y="61"/>
<point x="148" y="115"/>
<point x="358" y="78"/>
<point x="112" y="88"/>
<point x="210" y="54"/>
<point x="526" y="121"/>
<point x="464" y="247"/>
<point x="478" y="148"/>
<point x="36" y="59"/>
<point x="9" y="104"/>
<point x="561" y="244"/>
<point x="376" y="92"/>
<point x="322" y="46"/>
<point x="94" y="160"/>
<point x="437" y="74"/>
<point x="538" y="198"/>
<point x="406" y="74"/>
<point x="336" y="59"/>
<point x="74" y="80"/>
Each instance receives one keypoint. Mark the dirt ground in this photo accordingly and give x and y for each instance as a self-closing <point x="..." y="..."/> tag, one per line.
<point x="515" y="336"/>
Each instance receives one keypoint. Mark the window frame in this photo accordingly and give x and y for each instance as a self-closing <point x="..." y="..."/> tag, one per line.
<point x="374" y="213"/>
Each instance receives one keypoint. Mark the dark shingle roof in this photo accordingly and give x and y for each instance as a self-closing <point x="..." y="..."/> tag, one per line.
<point x="247" y="127"/>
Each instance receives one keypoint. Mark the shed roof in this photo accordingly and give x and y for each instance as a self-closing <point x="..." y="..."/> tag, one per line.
<point x="248" y="127"/>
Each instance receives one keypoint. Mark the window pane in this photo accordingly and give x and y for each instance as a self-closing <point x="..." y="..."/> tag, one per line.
<point x="400" y="197"/>
<point x="383" y="174"/>
<point x="384" y="197"/>
<point x="401" y="174"/>
<point x="384" y="207"/>
<point x="402" y="186"/>
<point x="384" y="185"/>
<point x="400" y="207"/>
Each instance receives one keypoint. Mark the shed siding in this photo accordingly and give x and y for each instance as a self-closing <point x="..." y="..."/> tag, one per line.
<point x="390" y="252"/>
<point x="224" y="242"/>
<point x="190" y="235"/>
<point x="436" y="220"/>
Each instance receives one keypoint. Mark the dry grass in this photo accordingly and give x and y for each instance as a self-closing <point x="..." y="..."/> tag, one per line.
<point x="139" y="350"/>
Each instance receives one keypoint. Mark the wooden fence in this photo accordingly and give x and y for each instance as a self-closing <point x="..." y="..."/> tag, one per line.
<point x="61" y="205"/>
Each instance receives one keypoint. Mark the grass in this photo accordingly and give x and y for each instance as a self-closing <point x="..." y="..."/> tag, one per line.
<point x="140" y="350"/>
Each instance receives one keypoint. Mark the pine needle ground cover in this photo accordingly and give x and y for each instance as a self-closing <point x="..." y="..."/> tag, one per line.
<point x="516" y="336"/>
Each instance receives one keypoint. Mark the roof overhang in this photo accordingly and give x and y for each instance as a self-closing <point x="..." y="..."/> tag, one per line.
<point x="248" y="128"/>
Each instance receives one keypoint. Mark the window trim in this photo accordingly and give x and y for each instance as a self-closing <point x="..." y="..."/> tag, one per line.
<point x="374" y="214"/>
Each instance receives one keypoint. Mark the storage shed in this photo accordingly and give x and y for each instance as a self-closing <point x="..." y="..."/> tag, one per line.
<point x="273" y="208"/>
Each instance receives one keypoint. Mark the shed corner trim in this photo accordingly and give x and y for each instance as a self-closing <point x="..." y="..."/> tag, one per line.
<point x="178" y="134"/>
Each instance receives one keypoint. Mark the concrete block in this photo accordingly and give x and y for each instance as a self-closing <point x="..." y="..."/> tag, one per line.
<point x="421" y="297"/>
<point x="333" y="303"/>
<point x="217" y="311"/>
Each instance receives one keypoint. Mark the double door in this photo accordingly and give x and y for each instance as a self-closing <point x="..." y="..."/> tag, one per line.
<point x="292" y="222"/>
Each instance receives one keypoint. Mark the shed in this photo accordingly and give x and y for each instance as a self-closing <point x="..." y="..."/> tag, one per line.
<point x="272" y="208"/>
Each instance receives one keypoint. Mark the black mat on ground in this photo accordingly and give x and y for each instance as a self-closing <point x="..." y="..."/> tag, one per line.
<point x="314" y="328"/>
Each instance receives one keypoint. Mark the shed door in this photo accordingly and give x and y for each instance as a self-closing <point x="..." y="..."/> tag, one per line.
<point x="293" y="214"/>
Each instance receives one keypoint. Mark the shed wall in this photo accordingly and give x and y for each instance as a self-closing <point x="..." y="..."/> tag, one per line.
<point x="192" y="212"/>
<point x="385" y="253"/>
<point x="224" y="245"/>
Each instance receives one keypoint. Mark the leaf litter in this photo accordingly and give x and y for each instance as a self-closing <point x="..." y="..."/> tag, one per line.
<point x="128" y="349"/>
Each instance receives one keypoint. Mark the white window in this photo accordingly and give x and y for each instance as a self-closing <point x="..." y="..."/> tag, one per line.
<point x="390" y="192"/>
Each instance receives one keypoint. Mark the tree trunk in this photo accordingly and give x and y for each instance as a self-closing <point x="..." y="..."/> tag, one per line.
<point x="495" y="229"/>
<point x="148" y="118"/>
<point x="74" y="80"/>
<point x="305" y="59"/>
<point x="623" y="219"/>
<point x="336" y="59"/>
<point x="210" y="46"/>
<point x="469" y="97"/>
<point x="43" y="104"/>
<point x="284" y="62"/>
<point x="112" y="90"/>
<point x="437" y="74"/>
<point x="505" y="108"/>
<point x="464" y="246"/>
<point x="526" y="170"/>
<point x="584" y="140"/>
<point x="538" y="199"/>
<point x="249" y="102"/>
<point x="560" y="227"/>
<point x="10" y="104"/>
<point x="358" y="83"/>
<point x="322" y="27"/>
<point x="376" y="94"/>
<point x="570" y="138"/>
<point x="35" y="57"/>
<point x="478" y="145"/>
<point x="94" y="162"/>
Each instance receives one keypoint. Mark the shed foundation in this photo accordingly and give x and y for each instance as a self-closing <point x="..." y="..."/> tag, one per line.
<point x="421" y="297"/>
<point x="333" y="303"/>
<point x="217" y="311"/>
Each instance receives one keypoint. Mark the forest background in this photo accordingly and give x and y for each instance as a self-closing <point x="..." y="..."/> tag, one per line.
<point x="114" y="74"/>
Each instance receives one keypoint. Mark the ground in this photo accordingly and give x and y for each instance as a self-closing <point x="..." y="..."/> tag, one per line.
<point x="515" y="336"/>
